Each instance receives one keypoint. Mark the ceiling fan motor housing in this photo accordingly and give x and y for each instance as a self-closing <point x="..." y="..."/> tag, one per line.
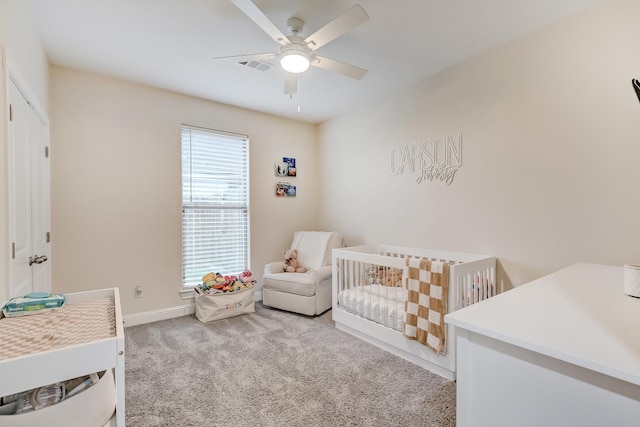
<point x="295" y="57"/>
<point x="295" y="25"/>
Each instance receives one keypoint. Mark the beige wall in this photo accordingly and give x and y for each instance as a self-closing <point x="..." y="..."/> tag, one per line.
<point x="18" y="39"/>
<point x="551" y="147"/>
<point x="117" y="193"/>
<point x="550" y="127"/>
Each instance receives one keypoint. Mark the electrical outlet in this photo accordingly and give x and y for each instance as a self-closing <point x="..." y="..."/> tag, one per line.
<point x="139" y="291"/>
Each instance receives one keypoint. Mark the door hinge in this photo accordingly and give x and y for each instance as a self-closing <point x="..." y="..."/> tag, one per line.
<point x="46" y="152"/>
<point x="48" y="237"/>
<point x="10" y="112"/>
<point x="13" y="250"/>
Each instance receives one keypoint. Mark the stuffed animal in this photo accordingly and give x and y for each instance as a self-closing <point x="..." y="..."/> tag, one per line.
<point x="246" y="277"/>
<point x="215" y="282"/>
<point x="237" y="286"/>
<point x="372" y="275"/>
<point x="390" y="276"/>
<point x="291" y="262"/>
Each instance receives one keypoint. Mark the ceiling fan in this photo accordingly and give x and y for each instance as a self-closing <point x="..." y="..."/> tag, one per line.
<point x="297" y="53"/>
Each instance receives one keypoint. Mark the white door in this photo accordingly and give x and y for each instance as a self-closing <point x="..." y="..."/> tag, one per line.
<point x="28" y="197"/>
<point x="40" y="204"/>
<point x="21" y="281"/>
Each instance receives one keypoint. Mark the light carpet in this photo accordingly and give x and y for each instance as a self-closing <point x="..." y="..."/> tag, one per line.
<point x="274" y="368"/>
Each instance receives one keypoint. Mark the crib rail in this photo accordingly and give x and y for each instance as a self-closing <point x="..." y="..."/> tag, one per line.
<point x="472" y="282"/>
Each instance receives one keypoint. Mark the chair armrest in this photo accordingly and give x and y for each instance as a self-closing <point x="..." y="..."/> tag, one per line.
<point x="318" y="274"/>
<point x="274" y="267"/>
<point x="322" y="273"/>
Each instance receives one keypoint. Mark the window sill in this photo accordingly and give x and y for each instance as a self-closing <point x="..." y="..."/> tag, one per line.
<point x="187" y="293"/>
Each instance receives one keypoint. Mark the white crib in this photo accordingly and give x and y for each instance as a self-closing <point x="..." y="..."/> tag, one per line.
<point x="372" y="311"/>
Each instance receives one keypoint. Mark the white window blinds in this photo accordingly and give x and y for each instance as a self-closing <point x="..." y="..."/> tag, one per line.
<point x="215" y="203"/>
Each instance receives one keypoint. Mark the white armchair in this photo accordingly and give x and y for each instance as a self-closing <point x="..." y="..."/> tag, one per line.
<point x="305" y="293"/>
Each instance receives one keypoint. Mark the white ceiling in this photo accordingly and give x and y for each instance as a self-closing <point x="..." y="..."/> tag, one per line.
<point x="170" y="44"/>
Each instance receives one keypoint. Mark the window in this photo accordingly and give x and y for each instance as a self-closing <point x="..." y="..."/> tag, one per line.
<point x="215" y="203"/>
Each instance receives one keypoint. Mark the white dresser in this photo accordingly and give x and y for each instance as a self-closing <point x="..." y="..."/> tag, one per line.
<point x="563" y="350"/>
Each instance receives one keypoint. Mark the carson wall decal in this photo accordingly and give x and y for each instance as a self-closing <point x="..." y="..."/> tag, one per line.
<point x="433" y="159"/>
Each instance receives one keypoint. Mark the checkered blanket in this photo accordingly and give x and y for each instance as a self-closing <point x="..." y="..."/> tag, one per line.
<point x="428" y="285"/>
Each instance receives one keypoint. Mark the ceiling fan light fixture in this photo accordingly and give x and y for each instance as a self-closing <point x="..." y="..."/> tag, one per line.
<point x="295" y="59"/>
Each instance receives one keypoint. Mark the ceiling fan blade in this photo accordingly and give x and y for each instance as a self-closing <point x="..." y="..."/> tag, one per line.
<point x="257" y="16"/>
<point x="338" y="67"/>
<point x="350" y="19"/>
<point x="248" y="57"/>
<point x="290" y="83"/>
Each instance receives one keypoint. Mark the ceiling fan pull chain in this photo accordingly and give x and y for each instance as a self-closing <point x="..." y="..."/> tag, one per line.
<point x="298" y="93"/>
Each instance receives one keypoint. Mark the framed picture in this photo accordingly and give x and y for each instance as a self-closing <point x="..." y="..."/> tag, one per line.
<point x="282" y="169"/>
<point x="291" y="165"/>
<point x="285" y="189"/>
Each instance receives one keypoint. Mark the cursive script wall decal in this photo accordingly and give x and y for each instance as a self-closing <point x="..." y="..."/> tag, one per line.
<point x="434" y="159"/>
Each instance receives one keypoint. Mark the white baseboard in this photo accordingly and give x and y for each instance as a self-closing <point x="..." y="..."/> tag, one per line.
<point x="156" y="315"/>
<point x="167" y="313"/>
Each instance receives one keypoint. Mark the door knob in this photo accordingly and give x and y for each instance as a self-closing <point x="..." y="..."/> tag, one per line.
<point x="37" y="259"/>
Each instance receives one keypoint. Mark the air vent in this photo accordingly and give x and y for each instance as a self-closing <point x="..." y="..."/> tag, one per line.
<point x="258" y="65"/>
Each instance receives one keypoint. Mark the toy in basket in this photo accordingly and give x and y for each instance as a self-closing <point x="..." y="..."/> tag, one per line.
<point x="219" y="296"/>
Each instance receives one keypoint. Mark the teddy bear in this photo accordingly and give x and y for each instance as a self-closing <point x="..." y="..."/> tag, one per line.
<point x="390" y="276"/>
<point x="291" y="262"/>
<point x="372" y="275"/>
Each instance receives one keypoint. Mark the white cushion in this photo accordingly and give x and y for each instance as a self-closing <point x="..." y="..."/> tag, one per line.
<point x="295" y="283"/>
<point x="315" y="247"/>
